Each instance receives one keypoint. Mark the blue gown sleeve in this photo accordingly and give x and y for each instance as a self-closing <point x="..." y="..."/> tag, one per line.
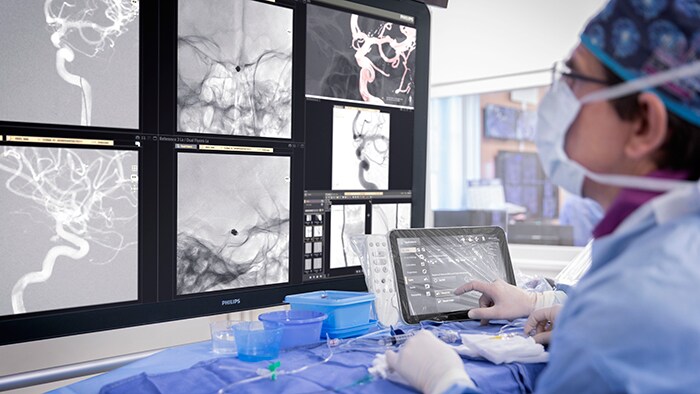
<point x="629" y="325"/>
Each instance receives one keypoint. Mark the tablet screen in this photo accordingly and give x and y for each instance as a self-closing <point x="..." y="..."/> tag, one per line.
<point x="431" y="263"/>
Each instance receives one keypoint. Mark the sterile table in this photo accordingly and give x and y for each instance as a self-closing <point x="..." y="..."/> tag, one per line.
<point x="195" y="368"/>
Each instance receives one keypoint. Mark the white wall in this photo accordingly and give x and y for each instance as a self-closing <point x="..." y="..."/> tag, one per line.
<point x="476" y="39"/>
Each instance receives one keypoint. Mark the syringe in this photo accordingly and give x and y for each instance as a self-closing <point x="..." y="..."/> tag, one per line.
<point x="448" y="336"/>
<point x="396" y="339"/>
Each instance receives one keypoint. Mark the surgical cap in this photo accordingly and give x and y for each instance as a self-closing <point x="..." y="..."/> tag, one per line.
<point x="634" y="38"/>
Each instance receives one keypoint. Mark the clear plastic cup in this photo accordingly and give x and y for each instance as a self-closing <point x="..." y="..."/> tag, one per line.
<point x="258" y="340"/>
<point x="223" y="341"/>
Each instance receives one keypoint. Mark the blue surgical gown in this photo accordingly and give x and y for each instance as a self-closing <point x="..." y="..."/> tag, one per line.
<point x="632" y="324"/>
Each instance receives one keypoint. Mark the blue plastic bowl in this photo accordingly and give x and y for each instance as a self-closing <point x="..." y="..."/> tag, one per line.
<point x="347" y="310"/>
<point x="300" y="327"/>
<point x="258" y="340"/>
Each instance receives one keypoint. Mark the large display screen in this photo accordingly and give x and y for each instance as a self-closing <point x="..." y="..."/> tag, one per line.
<point x="70" y="227"/>
<point x="360" y="58"/>
<point x="71" y="63"/>
<point x="390" y="216"/>
<point x="526" y="184"/>
<point x="360" y="149"/>
<point x="232" y="221"/>
<point x="234" y="68"/>
<point x="163" y="160"/>
<point x="509" y="123"/>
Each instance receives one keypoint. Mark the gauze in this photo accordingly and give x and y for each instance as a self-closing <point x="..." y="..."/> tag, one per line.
<point x="501" y="349"/>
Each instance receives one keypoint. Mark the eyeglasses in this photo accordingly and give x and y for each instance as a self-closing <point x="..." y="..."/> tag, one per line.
<point x="560" y="71"/>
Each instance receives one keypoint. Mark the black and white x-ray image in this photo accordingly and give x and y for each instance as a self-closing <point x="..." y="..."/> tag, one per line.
<point x="232" y="221"/>
<point x="360" y="149"/>
<point x="357" y="58"/>
<point x="73" y="63"/>
<point x="69" y="234"/>
<point x="387" y="217"/>
<point x="346" y="221"/>
<point x="234" y="68"/>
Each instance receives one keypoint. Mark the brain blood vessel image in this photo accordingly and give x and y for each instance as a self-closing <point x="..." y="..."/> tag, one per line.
<point x="234" y="68"/>
<point x="70" y="62"/>
<point x="69" y="234"/>
<point x="387" y="217"/>
<point x="359" y="58"/>
<point x="232" y="221"/>
<point x="360" y="149"/>
<point x="346" y="221"/>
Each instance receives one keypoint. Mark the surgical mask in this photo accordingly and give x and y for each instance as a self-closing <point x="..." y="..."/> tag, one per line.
<point x="558" y="110"/>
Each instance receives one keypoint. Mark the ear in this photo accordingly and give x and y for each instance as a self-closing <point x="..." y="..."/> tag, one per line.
<point x="651" y="128"/>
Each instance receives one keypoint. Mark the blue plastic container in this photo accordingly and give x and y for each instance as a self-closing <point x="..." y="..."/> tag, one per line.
<point x="300" y="327"/>
<point x="348" y="311"/>
<point x="350" y="331"/>
<point x="258" y="340"/>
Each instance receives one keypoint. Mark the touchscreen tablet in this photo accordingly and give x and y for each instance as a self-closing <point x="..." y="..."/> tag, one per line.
<point x="431" y="263"/>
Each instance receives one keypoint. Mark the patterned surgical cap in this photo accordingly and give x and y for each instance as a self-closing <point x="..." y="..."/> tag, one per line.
<point x="640" y="37"/>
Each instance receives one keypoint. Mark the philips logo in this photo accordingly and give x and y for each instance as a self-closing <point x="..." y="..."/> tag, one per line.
<point x="234" y="301"/>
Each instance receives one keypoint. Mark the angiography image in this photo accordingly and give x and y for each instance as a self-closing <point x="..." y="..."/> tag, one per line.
<point x="387" y="217"/>
<point x="360" y="149"/>
<point x="69" y="234"/>
<point x="70" y="62"/>
<point x="232" y="221"/>
<point x="358" y="58"/>
<point x="346" y="221"/>
<point x="234" y="68"/>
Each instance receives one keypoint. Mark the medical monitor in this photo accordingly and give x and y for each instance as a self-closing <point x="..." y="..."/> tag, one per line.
<point x="76" y="230"/>
<point x="228" y="243"/>
<point x="70" y="219"/>
<point x="430" y="264"/>
<point x="360" y="54"/>
<point x="526" y="184"/>
<point x="235" y="67"/>
<point x="507" y="123"/>
<point x="210" y="180"/>
<point x="74" y="65"/>
<point x="362" y="87"/>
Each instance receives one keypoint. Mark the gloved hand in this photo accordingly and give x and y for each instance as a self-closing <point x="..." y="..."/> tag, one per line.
<point x="541" y="323"/>
<point x="501" y="300"/>
<point x="428" y="364"/>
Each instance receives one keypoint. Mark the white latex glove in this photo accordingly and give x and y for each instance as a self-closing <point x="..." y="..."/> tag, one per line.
<point x="541" y="323"/>
<point x="428" y="364"/>
<point x="501" y="300"/>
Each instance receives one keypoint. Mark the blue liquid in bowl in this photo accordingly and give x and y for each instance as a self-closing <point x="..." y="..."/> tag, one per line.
<point x="257" y="340"/>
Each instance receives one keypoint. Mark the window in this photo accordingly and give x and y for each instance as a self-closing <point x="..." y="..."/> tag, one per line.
<point x="484" y="170"/>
